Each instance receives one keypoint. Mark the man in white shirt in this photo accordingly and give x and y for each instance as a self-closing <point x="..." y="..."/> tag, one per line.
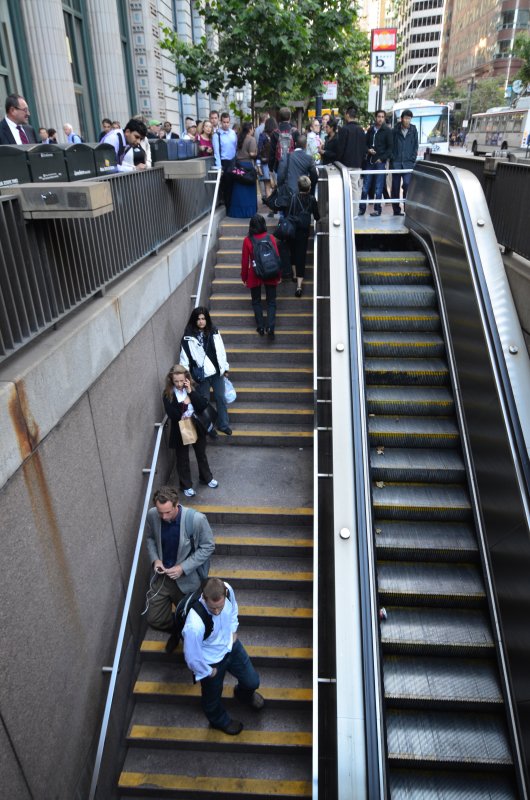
<point x="14" y="128"/>
<point x="133" y="157"/>
<point x="209" y="659"/>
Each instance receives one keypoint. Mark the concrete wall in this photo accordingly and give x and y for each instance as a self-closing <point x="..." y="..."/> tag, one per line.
<point x="77" y="414"/>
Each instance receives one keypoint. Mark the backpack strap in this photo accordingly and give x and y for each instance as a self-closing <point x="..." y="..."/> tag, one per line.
<point x="189" y="518"/>
<point x="205" y="616"/>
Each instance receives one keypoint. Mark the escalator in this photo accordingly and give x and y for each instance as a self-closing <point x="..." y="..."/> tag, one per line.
<point x="430" y="492"/>
<point x="445" y="720"/>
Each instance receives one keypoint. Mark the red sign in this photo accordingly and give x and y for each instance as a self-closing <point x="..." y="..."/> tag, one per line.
<point x="383" y="39"/>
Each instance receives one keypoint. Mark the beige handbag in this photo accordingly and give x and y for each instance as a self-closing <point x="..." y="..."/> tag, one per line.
<point x="188" y="431"/>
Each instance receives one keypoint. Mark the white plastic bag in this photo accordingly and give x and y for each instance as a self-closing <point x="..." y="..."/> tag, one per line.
<point x="230" y="392"/>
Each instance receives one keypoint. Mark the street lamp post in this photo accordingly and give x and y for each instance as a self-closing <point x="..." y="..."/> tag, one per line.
<point x="239" y="101"/>
<point x="470" y="89"/>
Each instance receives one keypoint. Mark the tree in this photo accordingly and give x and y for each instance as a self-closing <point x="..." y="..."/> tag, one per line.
<point x="521" y="49"/>
<point x="278" y="47"/>
<point x="445" y="90"/>
<point x="488" y="93"/>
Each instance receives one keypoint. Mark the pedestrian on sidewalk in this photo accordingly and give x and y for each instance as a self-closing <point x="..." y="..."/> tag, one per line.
<point x="181" y="400"/>
<point x="179" y="547"/>
<point x="303" y="207"/>
<point x="220" y="652"/>
<point x="202" y="351"/>
<point x="257" y="230"/>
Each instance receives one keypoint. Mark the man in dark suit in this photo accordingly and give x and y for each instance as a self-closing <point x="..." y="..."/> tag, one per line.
<point x="14" y="128"/>
<point x="351" y="150"/>
<point x="295" y="164"/>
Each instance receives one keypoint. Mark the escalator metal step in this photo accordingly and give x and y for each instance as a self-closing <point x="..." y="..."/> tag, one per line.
<point x="430" y="584"/>
<point x="427" y="502"/>
<point x="400" y="319"/>
<point x="391" y="257"/>
<point x="407" y="371"/>
<point x="413" y="785"/>
<point x="436" y="631"/>
<point x="416" y="296"/>
<point x="420" y="540"/>
<point x="417" y="432"/>
<point x="441" y="739"/>
<point x="395" y="344"/>
<point x="417" y="464"/>
<point x="402" y="274"/>
<point x="417" y="400"/>
<point x="463" y="684"/>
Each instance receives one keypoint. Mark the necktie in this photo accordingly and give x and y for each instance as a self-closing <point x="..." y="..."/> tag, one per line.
<point x="23" y="136"/>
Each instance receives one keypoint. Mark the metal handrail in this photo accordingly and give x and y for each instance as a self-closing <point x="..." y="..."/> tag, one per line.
<point x="125" y="614"/>
<point x="139" y="538"/>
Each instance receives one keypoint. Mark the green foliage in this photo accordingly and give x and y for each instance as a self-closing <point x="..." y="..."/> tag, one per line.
<point x="446" y="90"/>
<point x="488" y="93"/>
<point x="281" y="48"/>
<point x="522" y="50"/>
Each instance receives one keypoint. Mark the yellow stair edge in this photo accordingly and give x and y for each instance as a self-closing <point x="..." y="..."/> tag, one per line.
<point x="269" y="367"/>
<point x="303" y="653"/>
<point x="296" y="511"/>
<point x="212" y="786"/>
<point x="194" y="690"/>
<point x="267" y="575"/>
<point x="261" y="541"/>
<point x="275" y="612"/>
<point x="256" y="350"/>
<point x="308" y="412"/>
<point x="249" y="331"/>
<point x="273" y="434"/>
<point x="205" y="735"/>
<point x="271" y="390"/>
<point x="250" y="314"/>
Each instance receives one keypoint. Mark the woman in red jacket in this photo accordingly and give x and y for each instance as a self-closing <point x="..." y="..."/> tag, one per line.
<point x="257" y="229"/>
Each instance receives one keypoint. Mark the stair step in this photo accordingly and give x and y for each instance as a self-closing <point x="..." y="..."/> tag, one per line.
<point x="412" y="583"/>
<point x="273" y="393"/>
<point x="265" y="434"/>
<point x="271" y="354"/>
<point x="410" y="783"/>
<point x="400" y="319"/>
<point x="242" y="541"/>
<point x="244" y="318"/>
<point x="446" y="632"/>
<point x="414" y="296"/>
<point x="392" y="344"/>
<point x="182" y="692"/>
<point x="397" y="464"/>
<point x="441" y="683"/>
<point x="150" y="784"/>
<point x="241" y="301"/>
<point x="249" y="336"/>
<point x="413" y="400"/>
<point x="264" y="515"/>
<point x="249" y="372"/>
<point x="408" y="371"/>
<point x="421" y="502"/>
<point x="391" y="257"/>
<point x="396" y="274"/>
<point x="419" y="540"/>
<point x="246" y="412"/>
<point x="417" y="432"/>
<point x="260" y="654"/>
<point x="248" y="740"/>
<point x="437" y="739"/>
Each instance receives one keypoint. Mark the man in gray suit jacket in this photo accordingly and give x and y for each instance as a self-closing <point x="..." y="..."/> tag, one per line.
<point x="179" y="542"/>
<point x="295" y="164"/>
<point x="14" y="128"/>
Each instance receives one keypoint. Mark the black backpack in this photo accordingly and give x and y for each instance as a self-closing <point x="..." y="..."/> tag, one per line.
<point x="184" y="606"/>
<point x="266" y="261"/>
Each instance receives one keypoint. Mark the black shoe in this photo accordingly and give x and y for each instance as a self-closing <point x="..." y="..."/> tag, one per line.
<point x="362" y="213"/>
<point x="172" y="643"/>
<point x="375" y="214"/>
<point x="270" y="215"/>
<point x="213" y="434"/>
<point x="298" y="292"/>
<point x="270" y="333"/>
<point x="256" y="702"/>
<point x="226" y="430"/>
<point x="261" y="331"/>
<point x="232" y="729"/>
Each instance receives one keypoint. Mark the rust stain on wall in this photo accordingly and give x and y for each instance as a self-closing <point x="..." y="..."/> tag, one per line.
<point x="19" y="424"/>
<point x="47" y="526"/>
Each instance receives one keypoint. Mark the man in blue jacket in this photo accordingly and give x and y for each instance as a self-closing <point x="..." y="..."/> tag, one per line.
<point x="404" y="154"/>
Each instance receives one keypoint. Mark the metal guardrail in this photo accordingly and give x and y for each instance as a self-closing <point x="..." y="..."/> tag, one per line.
<point x="49" y="268"/>
<point x="139" y="539"/>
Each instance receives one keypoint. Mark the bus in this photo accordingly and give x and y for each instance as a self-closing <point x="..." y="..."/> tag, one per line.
<point x="500" y="128"/>
<point x="431" y="120"/>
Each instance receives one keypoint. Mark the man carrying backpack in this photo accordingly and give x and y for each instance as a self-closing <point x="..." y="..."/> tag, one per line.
<point x="212" y="652"/>
<point x="283" y="140"/>
<point x="179" y="542"/>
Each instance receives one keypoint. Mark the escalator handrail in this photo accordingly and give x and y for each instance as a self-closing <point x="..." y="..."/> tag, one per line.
<point x="372" y="680"/>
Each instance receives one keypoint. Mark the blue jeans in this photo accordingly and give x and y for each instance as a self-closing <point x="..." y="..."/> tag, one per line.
<point x="375" y="182"/>
<point x="238" y="664"/>
<point x="396" y="183"/>
<point x="217" y="382"/>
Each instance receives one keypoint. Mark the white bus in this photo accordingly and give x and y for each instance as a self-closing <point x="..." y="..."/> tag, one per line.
<point x="499" y="129"/>
<point x="431" y="120"/>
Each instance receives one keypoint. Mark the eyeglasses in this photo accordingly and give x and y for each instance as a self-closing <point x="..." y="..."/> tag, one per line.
<point x="19" y="108"/>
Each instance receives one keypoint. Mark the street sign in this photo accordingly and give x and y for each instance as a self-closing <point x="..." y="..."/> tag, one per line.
<point x="382" y="63"/>
<point x="330" y="90"/>
<point x="383" y="39"/>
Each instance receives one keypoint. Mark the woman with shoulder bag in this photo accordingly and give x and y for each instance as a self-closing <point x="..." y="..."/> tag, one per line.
<point x="202" y="351"/>
<point x="244" y="202"/>
<point x="181" y="401"/>
<point x="303" y="207"/>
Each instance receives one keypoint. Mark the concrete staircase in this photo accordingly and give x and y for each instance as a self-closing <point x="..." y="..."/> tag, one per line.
<point x="261" y="516"/>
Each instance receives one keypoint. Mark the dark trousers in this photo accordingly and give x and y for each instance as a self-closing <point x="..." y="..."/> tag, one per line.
<point x="182" y="453"/>
<point x="227" y="181"/>
<point x="396" y="184"/>
<point x="238" y="664"/>
<point x="270" y="293"/>
<point x="299" y="250"/>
